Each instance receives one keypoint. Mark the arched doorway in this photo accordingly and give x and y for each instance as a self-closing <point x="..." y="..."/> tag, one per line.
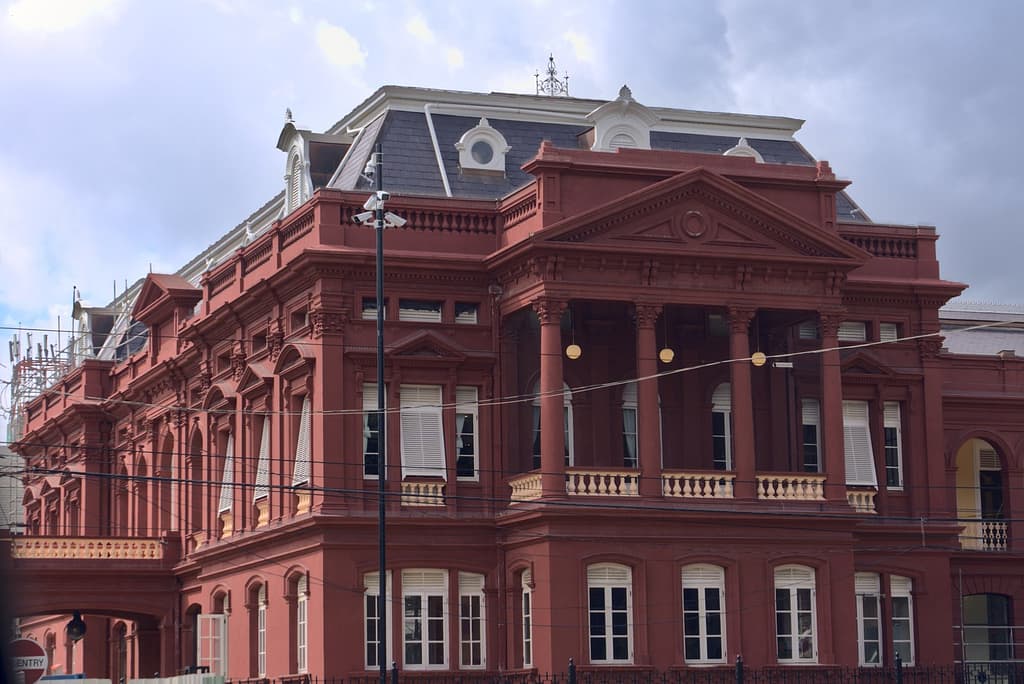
<point x="980" y="496"/>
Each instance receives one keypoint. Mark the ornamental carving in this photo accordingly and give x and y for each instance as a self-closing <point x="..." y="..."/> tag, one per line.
<point x="739" y="319"/>
<point x="237" y="364"/>
<point x="830" y="323"/>
<point x="549" y="310"/>
<point x="646" y="315"/>
<point x="275" y="342"/>
<point x="929" y="347"/>
<point x="328" y="322"/>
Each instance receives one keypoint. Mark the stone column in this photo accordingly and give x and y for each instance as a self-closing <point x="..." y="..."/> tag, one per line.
<point x="552" y="435"/>
<point x="648" y="418"/>
<point x="834" y="456"/>
<point x="743" y="447"/>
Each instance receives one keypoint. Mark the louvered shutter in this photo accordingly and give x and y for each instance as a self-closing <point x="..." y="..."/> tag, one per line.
<point x="425" y="581"/>
<point x="810" y="411"/>
<point x="608" y="574"/>
<point x="471" y="583"/>
<point x="227" y="482"/>
<point x="888" y="332"/>
<point x="867" y="583"/>
<point x="295" y="184"/>
<point x="900" y="586"/>
<point x="302" y="455"/>
<point x="527" y="578"/>
<point x="703" y="575"/>
<point x="853" y="331"/>
<point x="988" y="459"/>
<point x="789" y="576"/>
<point x="808" y="330"/>
<point x="262" y="488"/>
<point x="721" y="400"/>
<point x="422" y="431"/>
<point x="860" y="461"/>
<point x="423" y="312"/>
<point x="466" y="400"/>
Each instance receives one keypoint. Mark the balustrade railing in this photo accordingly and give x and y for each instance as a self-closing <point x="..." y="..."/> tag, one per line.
<point x="80" y="548"/>
<point x="526" y="487"/>
<point x="580" y="482"/>
<point x="710" y="485"/>
<point x="791" y="487"/>
<point x="422" y="493"/>
<point x="985" y="535"/>
<point x="862" y="500"/>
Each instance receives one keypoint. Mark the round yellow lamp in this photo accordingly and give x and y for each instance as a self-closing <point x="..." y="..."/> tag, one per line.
<point x="758" y="359"/>
<point x="666" y="355"/>
<point x="574" y="351"/>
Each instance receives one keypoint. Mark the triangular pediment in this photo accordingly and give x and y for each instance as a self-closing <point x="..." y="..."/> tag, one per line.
<point x="159" y="289"/>
<point x="428" y="344"/>
<point x="256" y="376"/>
<point x="859" y="362"/>
<point x="702" y="212"/>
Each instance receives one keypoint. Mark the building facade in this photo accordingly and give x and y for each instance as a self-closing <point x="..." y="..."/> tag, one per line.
<point x="659" y="393"/>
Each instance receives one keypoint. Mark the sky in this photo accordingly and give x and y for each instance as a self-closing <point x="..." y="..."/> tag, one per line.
<point x="139" y="131"/>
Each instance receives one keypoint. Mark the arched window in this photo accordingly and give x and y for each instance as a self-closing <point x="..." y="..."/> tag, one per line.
<point x="566" y="424"/>
<point x="527" y="601"/>
<point x="472" y="646"/>
<point x="795" y="615"/>
<point x="630" y="458"/>
<point x="609" y="605"/>
<point x="721" y="427"/>
<point x="295" y="182"/>
<point x="301" y="622"/>
<point x="703" y="614"/>
<point x="261" y="631"/>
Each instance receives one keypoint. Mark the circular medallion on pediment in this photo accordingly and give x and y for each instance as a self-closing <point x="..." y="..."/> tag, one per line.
<point x="694" y="224"/>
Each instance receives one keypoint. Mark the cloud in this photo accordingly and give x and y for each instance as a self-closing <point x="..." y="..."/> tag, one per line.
<point x="295" y="15"/>
<point x="580" y="45"/>
<point x="417" y="28"/>
<point x="338" y="46"/>
<point x="55" y="16"/>
<point x="455" y="58"/>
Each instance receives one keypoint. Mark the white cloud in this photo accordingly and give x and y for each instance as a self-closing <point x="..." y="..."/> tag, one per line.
<point x="581" y="46"/>
<point x="338" y="46"/>
<point x="417" y="28"/>
<point x="455" y="58"/>
<point x="54" y="16"/>
<point x="295" y="15"/>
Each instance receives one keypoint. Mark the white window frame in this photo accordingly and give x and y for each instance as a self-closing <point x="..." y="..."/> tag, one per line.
<point x="483" y="132"/>
<point x="704" y="578"/>
<point x="868" y="589"/>
<point x="261" y="631"/>
<point x="212" y="642"/>
<point x="301" y="624"/>
<point x="371" y="597"/>
<point x="607" y="579"/>
<point x="629" y="406"/>
<point x="470" y="314"/>
<point x="419" y="310"/>
<point x="810" y="416"/>
<point x="421" y="586"/>
<point x="857" y="449"/>
<point x="262" y="488"/>
<point x="471" y="590"/>
<point x="796" y="581"/>
<point x="888" y="332"/>
<point x="369" y="409"/>
<point x="893" y="422"/>
<point x="901" y="589"/>
<point x="422" y="427"/>
<point x="527" y="608"/>
<point x="227" y="482"/>
<point x="303" y="445"/>
<point x="368" y="310"/>
<point x="853" y="331"/>
<point x="467" y="402"/>
<point x="567" y="425"/>
<point x="721" y="402"/>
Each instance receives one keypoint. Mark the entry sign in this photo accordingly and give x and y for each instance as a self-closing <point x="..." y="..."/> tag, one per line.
<point x="29" y="660"/>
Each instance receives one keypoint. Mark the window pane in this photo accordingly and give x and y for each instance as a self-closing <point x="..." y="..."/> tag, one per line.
<point x="618" y="598"/>
<point x="620" y="648"/>
<point x="436" y="652"/>
<point x="781" y="599"/>
<point x="412" y="606"/>
<point x="413" y="653"/>
<point x="711" y="597"/>
<point x="435" y="630"/>
<point x="714" y="648"/>
<point x="691" y="623"/>
<point x="690" y="599"/>
<point x="900" y="607"/>
<point x="619" y="623"/>
<point x="785" y="648"/>
<point x="597" y="623"/>
<point x="901" y="630"/>
<point x="782" y="624"/>
<point x="806" y="648"/>
<point x="691" y="647"/>
<point x="803" y="599"/>
<point x="714" y="622"/>
<point x="597" y="649"/>
<point x="596" y="599"/>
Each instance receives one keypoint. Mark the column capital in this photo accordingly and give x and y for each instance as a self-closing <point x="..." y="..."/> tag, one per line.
<point x="549" y="309"/>
<point x="830" y="322"/>
<point x="647" y="315"/>
<point x="929" y="347"/>
<point x="740" y="317"/>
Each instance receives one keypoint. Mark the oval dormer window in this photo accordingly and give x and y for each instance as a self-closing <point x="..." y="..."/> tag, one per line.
<point x="482" y="148"/>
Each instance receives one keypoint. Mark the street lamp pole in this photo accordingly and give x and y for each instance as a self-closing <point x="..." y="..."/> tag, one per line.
<point x="382" y="631"/>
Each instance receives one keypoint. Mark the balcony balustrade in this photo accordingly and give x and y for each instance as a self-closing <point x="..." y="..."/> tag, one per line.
<point x="862" y="500"/>
<point x="82" y="548"/>
<point x="422" y="493"/>
<point x="985" y="535"/>
<point x="605" y="482"/>
<point x="791" y="487"/>
<point x="693" y="485"/>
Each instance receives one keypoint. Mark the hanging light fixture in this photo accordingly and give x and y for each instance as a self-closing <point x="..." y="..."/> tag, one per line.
<point x="573" y="351"/>
<point x="758" y="359"/>
<point x="76" y="627"/>
<point x="666" y="355"/>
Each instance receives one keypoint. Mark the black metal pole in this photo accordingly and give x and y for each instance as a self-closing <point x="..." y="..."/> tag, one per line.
<point x="382" y="615"/>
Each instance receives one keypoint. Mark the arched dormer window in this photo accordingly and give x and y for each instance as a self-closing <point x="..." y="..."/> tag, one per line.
<point x="623" y="122"/>
<point x="296" y="186"/>
<point x="482" y="148"/>
<point x="566" y="423"/>
<point x="743" y="149"/>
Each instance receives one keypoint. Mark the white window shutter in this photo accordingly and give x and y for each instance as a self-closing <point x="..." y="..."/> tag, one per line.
<point x="860" y="460"/>
<point x="527" y="578"/>
<point x="608" y="574"/>
<point x="808" y="330"/>
<point x="422" y="431"/>
<point x="888" y="332"/>
<point x="721" y="400"/>
<point x="465" y="399"/>
<point x="227" y="482"/>
<point x="900" y="586"/>
<point x="427" y="581"/>
<point x="703" y="575"/>
<point x="810" y="412"/>
<point x="988" y="459"/>
<point x="853" y="331"/>
<point x="471" y="583"/>
<point x="867" y="583"/>
<point x="262" y="488"/>
<point x="295" y="184"/>
<point x="302" y="455"/>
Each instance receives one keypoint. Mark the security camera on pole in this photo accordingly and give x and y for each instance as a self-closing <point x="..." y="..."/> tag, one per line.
<point x="380" y="219"/>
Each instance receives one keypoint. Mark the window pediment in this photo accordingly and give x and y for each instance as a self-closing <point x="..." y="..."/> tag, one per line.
<point x="482" y="148"/>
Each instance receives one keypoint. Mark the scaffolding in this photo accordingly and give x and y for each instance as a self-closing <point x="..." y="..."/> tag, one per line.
<point x="32" y="373"/>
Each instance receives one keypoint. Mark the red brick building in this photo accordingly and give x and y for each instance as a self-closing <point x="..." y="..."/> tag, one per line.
<point x="660" y="393"/>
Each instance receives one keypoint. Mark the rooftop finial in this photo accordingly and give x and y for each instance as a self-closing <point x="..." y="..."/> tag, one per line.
<point x="551" y="84"/>
<point x="288" y="115"/>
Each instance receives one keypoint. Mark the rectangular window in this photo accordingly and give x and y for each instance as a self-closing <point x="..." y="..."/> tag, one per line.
<point x="609" y="588"/>
<point x="466" y="432"/>
<point x="888" y="332"/>
<point x="424" y="618"/>
<point x="527" y="619"/>
<point x="721" y="440"/>
<point x="860" y="461"/>
<point x="212" y="642"/>
<point x="853" y="331"/>
<point x="566" y="422"/>
<point x="419" y="310"/>
<point x="869" y="619"/>
<point x="466" y="312"/>
<point x="300" y="633"/>
<point x="808" y="330"/>
<point x="372" y="618"/>
<point x="629" y="459"/>
<point x="703" y="614"/>
<point x="893" y="446"/>
<point x="471" y="620"/>
<point x="795" y="619"/>
<point x="371" y="431"/>
<point x="902" y="618"/>
<point x="810" y="431"/>
<point x="422" y="431"/>
<point x="261" y="635"/>
<point x="369" y="310"/>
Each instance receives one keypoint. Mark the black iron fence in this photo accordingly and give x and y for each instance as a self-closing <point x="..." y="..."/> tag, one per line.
<point x="968" y="673"/>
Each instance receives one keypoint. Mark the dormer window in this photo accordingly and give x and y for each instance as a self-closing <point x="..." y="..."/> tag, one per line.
<point x="482" y="148"/>
<point x="623" y="122"/>
<point x="295" y="178"/>
<point x="743" y="149"/>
